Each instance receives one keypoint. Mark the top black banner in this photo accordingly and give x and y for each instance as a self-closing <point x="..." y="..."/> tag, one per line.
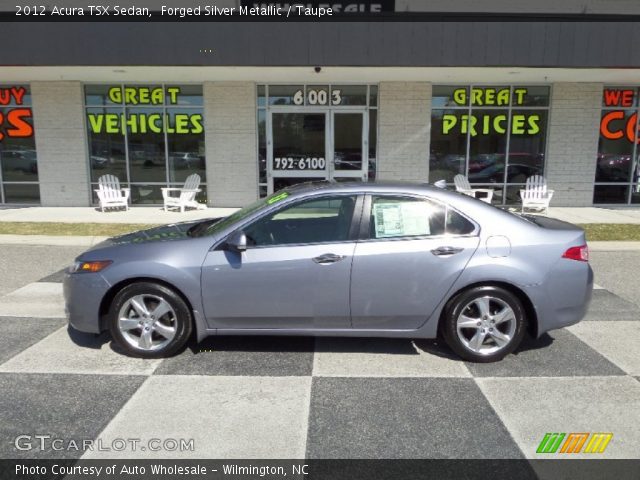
<point x="337" y="7"/>
<point x="251" y="11"/>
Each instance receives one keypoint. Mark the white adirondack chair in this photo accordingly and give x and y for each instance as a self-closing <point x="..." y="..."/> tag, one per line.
<point x="110" y="194"/>
<point x="187" y="196"/>
<point x="536" y="195"/>
<point x="463" y="186"/>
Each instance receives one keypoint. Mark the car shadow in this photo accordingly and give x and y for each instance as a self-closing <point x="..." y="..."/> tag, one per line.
<point x="386" y="346"/>
<point x="88" y="340"/>
<point x="530" y="343"/>
<point x="292" y="344"/>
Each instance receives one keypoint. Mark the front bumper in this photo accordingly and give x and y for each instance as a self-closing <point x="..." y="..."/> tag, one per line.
<point x="83" y="293"/>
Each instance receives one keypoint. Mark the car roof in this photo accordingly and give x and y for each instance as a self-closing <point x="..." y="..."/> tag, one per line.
<point x="476" y="209"/>
<point x="377" y="186"/>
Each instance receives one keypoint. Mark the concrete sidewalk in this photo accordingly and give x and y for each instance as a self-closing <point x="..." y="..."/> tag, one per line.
<point x="157" y="215"/>
<point x="94" y="215"/>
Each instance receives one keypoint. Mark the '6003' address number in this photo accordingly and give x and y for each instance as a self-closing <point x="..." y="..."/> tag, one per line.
<point x="291" y="163"/>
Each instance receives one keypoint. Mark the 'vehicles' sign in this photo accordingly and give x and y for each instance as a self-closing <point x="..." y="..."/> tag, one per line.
<point x="139" y="122"/>
<point x="15" y="120"/>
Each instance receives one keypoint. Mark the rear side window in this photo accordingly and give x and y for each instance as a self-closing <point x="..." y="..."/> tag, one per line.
<point x="393" y="217"/>
<point x="457" y="224"/>
<point x="401" y="217"/>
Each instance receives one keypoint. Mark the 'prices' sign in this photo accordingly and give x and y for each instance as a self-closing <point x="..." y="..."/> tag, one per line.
<point x="15" y="121"/>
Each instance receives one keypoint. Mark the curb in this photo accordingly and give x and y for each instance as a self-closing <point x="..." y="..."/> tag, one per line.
<point x="51" y="240"/>
<point x="89" y="241"/>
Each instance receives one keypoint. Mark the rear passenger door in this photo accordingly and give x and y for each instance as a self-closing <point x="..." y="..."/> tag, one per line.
<point x="411" y="251"/>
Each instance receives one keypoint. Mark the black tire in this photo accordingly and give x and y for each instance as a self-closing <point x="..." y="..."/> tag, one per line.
<point x="179" y="320"/>
<point x="490" y="349"/>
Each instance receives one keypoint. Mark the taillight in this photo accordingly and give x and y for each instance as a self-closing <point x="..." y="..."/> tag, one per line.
<point x="580" y="253"/>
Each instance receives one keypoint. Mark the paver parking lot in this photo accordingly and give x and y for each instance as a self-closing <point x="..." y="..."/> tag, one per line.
<point x="283" y="397"/>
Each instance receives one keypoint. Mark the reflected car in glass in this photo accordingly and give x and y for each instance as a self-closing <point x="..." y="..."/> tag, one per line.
<point x="338" y="259"/>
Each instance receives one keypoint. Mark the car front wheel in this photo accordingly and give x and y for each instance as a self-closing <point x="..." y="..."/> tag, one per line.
<point x="149" y="320"/>
<point x="484" y="324"/>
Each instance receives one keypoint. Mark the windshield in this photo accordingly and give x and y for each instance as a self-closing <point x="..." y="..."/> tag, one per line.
<point x="244" y="212"/>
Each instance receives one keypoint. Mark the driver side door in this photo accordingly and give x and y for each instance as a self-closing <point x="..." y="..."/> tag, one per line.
<point x="295" y="273"/>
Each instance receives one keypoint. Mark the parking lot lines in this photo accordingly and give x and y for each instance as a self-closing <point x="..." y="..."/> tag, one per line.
<point x="530" y="407"/>
<point x="227" y="417"/>
<point x="278" y="397"/>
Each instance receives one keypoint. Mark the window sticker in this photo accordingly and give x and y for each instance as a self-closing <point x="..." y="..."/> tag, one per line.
<point x="277" y="198"/>
<point x="401" y="219"/>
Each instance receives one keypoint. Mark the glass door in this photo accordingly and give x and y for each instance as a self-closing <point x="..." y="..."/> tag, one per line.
<point x="349" y="144"/>
<point x="297" y="148"/>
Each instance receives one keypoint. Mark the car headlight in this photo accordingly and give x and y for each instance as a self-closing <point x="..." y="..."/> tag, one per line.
<point x="89" y="267"/>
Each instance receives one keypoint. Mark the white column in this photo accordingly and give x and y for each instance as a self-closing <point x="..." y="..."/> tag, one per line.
<point x="61" y="143"/>
<point x="404" y="128"/>
<point x="231" y="143"/>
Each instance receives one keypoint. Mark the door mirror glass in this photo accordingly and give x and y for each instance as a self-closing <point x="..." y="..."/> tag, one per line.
<point x="237" y="242"/>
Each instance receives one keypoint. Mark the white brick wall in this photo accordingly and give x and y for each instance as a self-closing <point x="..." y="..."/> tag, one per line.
<point x="404" y="125"/>
<point x="58" y="118"/>
<point x="230" y="138"/>
<point x="573" y="142"/>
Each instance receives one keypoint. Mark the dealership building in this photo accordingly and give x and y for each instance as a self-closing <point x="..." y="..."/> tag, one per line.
<point x="386" y="90"/>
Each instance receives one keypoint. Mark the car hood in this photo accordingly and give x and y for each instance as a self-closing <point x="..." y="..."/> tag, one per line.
<point x="164" y="233"/>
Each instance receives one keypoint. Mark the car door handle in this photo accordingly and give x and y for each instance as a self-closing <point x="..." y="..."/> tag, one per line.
<point x="328" y="258"/>
<point x="442" y="251"/>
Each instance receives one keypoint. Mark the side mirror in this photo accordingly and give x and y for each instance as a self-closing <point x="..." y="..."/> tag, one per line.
<point x="237" y="241"/>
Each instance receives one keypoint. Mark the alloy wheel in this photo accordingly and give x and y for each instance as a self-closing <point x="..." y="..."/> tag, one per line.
<point x="486" y="325"/>
<point x="147" y="322"/>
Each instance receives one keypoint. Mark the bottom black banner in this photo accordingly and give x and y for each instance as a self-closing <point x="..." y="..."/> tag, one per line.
<point x="319" y="469"/>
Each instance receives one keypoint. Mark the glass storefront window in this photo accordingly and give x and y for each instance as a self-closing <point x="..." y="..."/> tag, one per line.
<point x="494" y="135"/>
<point x="617" y="177"/>
<point x="149" y="136"/>
<point x="338" y="126"/>
<point x="18" y="157"/>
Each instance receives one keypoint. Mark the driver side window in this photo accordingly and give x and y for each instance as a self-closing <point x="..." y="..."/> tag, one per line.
<point x="319" y="220"/>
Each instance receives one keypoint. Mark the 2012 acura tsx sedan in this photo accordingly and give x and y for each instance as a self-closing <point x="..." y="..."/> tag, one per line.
<point x="341" y="259"/>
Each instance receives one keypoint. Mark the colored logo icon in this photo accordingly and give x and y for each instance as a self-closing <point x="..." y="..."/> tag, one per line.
<point x="574" y="442"/>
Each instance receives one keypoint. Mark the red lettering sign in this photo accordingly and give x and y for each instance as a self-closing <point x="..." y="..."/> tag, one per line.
<point x="628" y="128"/>
<point x="15" y="122"/>
<point x="618" y="98"/>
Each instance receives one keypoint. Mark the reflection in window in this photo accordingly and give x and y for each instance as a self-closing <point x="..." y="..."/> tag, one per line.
<point x="324" y="220"/>
<point x="617" y="174"/>
<point x="494" y="135"/>
<point x="18" y="157"/>
<point x="149" y="136"/>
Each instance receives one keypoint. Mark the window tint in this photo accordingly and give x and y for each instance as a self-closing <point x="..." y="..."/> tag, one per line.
<point x="457" y="224"/>
<point x="405" y="217"/>
<point x="323" y="220"/>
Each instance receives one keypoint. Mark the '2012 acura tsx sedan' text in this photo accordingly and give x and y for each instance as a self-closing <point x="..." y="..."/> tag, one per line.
<point x="338" y="259"/>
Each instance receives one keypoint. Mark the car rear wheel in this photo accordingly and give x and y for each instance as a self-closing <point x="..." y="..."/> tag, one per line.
<point x="484" y="324"/>
<point x="149" y="320"/>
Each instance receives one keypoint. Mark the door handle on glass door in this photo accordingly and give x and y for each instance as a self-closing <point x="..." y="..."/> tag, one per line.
<point x="442" y="251"/>
<point x="328" y="258"/>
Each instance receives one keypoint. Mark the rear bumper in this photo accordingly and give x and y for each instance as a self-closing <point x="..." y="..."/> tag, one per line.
<point x="564" y="298"/>
<point x="83" y="293"/>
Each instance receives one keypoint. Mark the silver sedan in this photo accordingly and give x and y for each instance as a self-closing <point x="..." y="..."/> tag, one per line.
<point x="352" y="259"/>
